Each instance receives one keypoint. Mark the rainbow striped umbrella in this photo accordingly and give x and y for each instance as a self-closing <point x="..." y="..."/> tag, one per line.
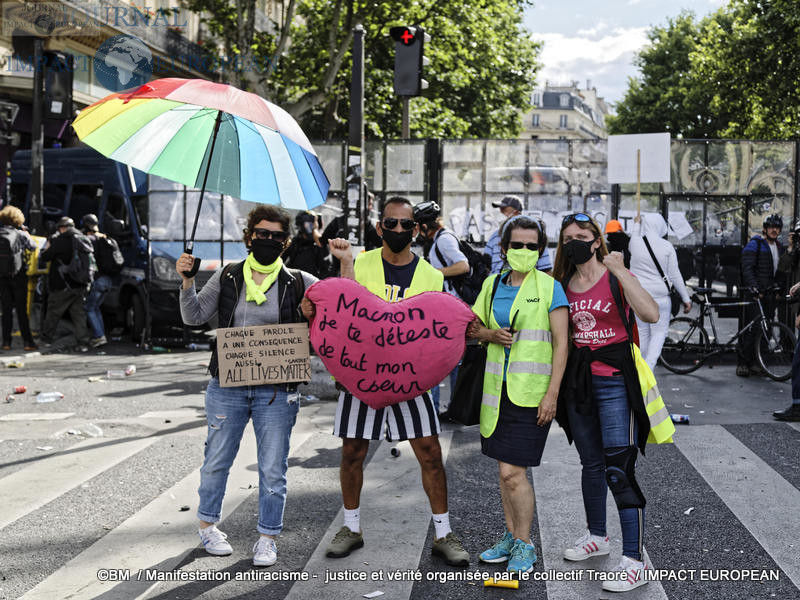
<point x="210" y="136"/>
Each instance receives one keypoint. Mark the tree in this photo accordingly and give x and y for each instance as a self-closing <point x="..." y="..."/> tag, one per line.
<point x="749" y="53"/>
<point x="483" y="63"/>
<point x="732" y="74"/>
<point x="667" y="96"/>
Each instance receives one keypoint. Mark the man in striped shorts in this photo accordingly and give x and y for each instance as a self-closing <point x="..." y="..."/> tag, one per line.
<point x="392" y="272"/>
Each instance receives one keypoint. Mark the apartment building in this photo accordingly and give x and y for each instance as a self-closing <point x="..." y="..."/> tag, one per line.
<point x="565" y="112"/>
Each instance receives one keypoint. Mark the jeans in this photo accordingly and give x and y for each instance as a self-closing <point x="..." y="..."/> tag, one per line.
<point x="435" y="391"/>
<point x="61" y="301"/>
<point x="228" y="411"/>
<point x="652" y="335"/>
<point x="101" y="286"/>
<point x="610" y="427"/>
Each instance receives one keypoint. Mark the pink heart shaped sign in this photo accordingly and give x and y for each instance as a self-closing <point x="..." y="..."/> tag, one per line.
<point x="386" y="352"/>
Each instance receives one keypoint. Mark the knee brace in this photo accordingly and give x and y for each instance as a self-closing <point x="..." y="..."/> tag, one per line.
<point x="621" y="477"/>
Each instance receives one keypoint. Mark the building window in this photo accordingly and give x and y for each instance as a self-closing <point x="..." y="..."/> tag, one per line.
<point x="563" y="100"/>
<point x="562" y="122"/>
<point x="535" y="121"/>
<point x="536" y="99"/>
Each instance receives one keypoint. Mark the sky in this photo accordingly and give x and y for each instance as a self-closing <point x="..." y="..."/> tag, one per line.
<point x="587" y="39"/>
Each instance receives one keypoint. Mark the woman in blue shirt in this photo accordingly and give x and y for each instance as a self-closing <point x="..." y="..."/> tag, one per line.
<point x="526" y="307"/>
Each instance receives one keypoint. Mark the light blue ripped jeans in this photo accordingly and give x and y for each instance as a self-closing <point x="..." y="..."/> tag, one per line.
<point x="228" y="411"/>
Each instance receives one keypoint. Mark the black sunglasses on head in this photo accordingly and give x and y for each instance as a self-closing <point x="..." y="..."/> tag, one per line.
<point x="391" y="223"/>
<point x="265" y="234"/>
<point x="521" y="245"/>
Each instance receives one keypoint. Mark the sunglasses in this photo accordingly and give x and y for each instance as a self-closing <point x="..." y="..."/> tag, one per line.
<point x="266" y="234"/>
<point x="521" y="245"/>
<point x="391" y="223"/>
<point x="579" y="217"/>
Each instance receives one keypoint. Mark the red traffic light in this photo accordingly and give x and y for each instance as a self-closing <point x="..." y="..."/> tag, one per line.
<point x="404" y="35"/>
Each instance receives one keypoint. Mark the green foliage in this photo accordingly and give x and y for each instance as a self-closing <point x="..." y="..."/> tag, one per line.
<point x="732" y="74"/>
<point x="483" y="65"/>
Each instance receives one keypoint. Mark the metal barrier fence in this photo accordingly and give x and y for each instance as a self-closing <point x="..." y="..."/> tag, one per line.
<point x="719" y="193"/>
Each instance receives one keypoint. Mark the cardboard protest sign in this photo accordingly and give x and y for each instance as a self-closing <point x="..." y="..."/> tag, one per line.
<point x="263" y="354"/>
<point x="383" y="352"/>
<point x="653" y="150"/>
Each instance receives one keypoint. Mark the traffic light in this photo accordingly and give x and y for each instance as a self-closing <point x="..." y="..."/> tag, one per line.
<point x="60" y="68"/>
<point x="409" y="60"/>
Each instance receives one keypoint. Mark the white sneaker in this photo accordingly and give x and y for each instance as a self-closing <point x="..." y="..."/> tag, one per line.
<point x="634" y="574"/>
<point x="587" y="546"/>
<point x="265" y="552"/>
<point x="214" y="541"/>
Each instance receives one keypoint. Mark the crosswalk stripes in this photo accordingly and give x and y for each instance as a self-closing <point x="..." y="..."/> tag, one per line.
<point x="754" y="492"/>
<point x="395" y="515"/>
<point x="144" y="541"/>
<point x="392" y="495"/>
<point x="36" y="485"/>
<point x="560" y="513"/>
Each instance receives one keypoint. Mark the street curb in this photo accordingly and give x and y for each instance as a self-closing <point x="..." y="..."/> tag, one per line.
<point x="19" y="357"/>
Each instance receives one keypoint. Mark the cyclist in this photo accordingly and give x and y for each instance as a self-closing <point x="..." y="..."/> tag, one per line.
<point x="444" y="255"/>
<point x="759" y="272"/>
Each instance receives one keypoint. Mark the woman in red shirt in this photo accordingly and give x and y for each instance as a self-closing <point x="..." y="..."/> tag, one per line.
<point x="601" y="405"/>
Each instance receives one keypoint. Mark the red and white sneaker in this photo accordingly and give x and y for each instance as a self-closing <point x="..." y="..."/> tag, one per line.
<point x="633" y="574"/>
<point x="589" y="545"/>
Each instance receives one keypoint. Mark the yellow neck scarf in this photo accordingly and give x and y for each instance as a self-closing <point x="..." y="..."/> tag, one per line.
<point x="257" y="293"/>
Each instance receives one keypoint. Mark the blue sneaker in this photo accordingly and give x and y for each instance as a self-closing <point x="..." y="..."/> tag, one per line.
<point x="500" y="551"/>
<point x="523" y="557"/>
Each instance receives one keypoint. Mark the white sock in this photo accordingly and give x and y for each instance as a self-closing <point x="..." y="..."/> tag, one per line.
<point x="352" y="519"/>
<point x="441" y="523"/>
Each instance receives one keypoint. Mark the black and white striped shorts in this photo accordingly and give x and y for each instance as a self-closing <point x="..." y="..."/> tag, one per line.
<point x="407" y="420"/>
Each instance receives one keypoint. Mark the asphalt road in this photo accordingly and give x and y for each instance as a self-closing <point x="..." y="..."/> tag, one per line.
<point x="99" y="480"/>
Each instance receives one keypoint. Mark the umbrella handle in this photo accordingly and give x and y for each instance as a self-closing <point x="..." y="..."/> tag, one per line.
<point x="193" y="271"/>
<point x="195" y="265"/>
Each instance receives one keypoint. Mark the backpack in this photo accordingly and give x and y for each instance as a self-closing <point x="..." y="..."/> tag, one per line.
<point x="10" y="258"/>
<point x="81" y="267"/>
<point x="468" y="285"/>
<point x="108" y="256"/>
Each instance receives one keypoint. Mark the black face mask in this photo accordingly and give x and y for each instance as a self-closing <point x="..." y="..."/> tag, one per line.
<point x="618" y="241"/>
<point x="266" y="252"/>
<point x="397" y="240"/>
<point x="578" y="251"/>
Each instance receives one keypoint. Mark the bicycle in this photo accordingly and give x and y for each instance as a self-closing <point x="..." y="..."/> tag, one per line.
<point x="688" y="345"/>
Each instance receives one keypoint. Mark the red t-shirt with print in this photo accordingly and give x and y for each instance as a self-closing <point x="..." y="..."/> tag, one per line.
<point x="596" y="321"/>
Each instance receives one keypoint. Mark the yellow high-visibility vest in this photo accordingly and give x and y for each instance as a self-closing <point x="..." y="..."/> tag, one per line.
<point x="661" y="426"/>
<point x="369" y="273"/>
<point x="530" y="361"/>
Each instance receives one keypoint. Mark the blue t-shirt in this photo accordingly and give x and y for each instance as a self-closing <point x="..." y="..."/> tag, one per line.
<point x="504" y="299"/>
<point x="398" y="279"/>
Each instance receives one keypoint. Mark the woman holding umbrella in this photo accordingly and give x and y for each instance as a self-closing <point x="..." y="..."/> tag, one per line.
<point x="256" y="291"/>
<point x="170" y="127"/>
